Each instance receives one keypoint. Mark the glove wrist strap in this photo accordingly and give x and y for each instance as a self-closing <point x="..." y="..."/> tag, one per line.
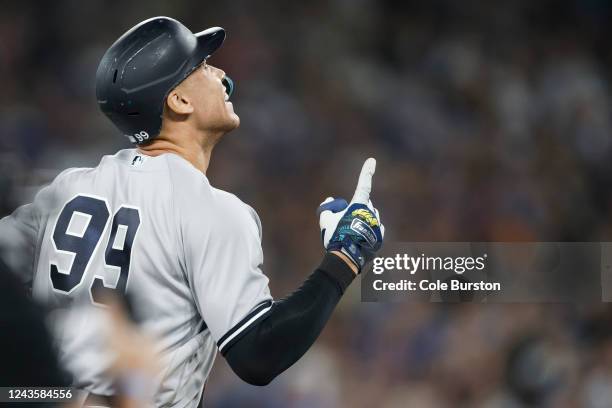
<point x="352" y="251"/>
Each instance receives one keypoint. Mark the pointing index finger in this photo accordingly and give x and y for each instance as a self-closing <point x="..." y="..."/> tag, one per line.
<point x="364" y="185"/>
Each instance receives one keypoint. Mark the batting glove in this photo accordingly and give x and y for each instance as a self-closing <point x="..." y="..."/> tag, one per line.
<point x="353" y="228"/>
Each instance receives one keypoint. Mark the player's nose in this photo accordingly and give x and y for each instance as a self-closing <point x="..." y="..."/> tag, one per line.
<point x="219" y="72"/>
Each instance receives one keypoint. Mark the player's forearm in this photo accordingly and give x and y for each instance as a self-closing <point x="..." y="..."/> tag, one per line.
<point x="292" y="326"/>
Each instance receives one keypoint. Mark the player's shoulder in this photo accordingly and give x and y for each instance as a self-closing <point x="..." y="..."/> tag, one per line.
<point x="68" y="175"/>
<point x="189" y="182"/>
<point x="202" y="196"/>
<point x="225" y="198"/>
<point x="232" y="210"/>
<point x="72" y="173"/>
<point x="50" y="196"/>
<point x="195" y="196"/>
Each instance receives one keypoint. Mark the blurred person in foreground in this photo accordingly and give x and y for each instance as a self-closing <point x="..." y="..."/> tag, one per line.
<point x="29" y="358"/>
<point x="147" y="223"/>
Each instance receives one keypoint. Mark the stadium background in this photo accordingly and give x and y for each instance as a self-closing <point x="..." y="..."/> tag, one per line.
<point x="491" y="121"/>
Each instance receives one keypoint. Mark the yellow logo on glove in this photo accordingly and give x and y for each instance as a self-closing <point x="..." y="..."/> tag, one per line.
<point x="367" y="216"/>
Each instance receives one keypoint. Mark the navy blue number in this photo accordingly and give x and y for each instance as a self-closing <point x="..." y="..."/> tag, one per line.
<point x="129" y="220"/>
<point x="83" y="246"/>
<point x="118" y="255"/>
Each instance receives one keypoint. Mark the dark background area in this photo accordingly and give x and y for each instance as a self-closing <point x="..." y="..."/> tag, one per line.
<point x="490" y="121"/>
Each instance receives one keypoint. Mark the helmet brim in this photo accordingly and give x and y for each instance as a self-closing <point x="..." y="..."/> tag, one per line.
<point x="209" y="41"/>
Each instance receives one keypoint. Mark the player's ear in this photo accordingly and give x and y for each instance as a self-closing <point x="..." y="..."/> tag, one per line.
<point x="179" y="102"/>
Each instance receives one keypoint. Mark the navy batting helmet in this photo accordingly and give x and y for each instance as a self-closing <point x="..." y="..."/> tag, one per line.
<point x="138" y="71"/>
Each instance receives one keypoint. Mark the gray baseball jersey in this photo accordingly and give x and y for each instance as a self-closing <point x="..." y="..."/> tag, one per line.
<point x="188" y="254"/>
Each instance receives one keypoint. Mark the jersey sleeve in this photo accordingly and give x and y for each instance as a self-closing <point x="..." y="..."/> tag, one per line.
<point x="223" y="259"/>
<point x="19" y="233"/>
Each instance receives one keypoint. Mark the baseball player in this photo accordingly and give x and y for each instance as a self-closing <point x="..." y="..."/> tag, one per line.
<point x="147" y="222"/>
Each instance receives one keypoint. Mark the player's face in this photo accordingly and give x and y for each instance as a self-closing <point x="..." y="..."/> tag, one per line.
<point x="211" y="109"/>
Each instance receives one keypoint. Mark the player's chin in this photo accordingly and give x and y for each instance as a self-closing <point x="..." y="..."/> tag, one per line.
<point x="233" y="120"/>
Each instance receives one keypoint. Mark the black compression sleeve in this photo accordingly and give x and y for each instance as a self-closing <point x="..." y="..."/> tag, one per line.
<point x="272" y="345"/>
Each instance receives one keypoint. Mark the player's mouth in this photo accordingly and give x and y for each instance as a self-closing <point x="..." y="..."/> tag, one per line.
<point x="229" y="87"/>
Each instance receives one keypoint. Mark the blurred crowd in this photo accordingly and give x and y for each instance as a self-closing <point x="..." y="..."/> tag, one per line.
<point x="490" y="121"/>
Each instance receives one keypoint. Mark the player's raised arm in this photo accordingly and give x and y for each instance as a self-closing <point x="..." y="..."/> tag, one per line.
<point x="351" y="236"/>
